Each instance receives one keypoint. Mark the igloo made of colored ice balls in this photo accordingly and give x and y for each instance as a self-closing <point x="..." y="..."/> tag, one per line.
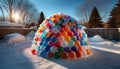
<point x="60" y="36"/>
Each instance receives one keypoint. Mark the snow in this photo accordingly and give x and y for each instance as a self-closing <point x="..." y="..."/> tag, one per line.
<point x="83" y="27"/>
<point x="96" y="38"/>
<point x="30" y="35"/>
<point x="10" y="24"/>
<point x="106" y="47"/>
<point x="18" y="56"/>
<point x="33" y="27"/>
<point x="14" y="37"/>
<point x="117" y="44"/>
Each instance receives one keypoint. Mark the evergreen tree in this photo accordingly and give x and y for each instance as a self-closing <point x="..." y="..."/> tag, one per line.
<point x="114" y="20"/>
<point x="41" y="19"/>
<point x="95" y="19"/>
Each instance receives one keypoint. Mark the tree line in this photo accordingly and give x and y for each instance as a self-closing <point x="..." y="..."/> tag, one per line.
<point x="93" y="19"/>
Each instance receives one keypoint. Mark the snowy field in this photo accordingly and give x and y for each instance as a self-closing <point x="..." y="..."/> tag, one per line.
<point x="16" y="55"/>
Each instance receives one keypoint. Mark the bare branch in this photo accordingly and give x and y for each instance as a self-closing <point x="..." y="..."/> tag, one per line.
<point x="84" y="10"/>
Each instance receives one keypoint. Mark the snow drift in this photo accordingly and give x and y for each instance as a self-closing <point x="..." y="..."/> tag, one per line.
<point x="30" y="35"/>
<point x="14" y="37"/>
<point x="96" y="38"/>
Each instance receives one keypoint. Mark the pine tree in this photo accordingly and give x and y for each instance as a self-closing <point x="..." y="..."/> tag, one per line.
<point x="114" y="20"/>
<point x="95" y="19"/>
<point x="41" y="19"/>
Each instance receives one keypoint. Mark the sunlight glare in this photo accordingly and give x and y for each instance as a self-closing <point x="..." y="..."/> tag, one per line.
<point x="16" y="17"/>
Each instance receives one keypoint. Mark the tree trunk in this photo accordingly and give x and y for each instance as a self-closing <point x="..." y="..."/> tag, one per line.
<point x="10" y="15"/>
<point x="2" y="13"/>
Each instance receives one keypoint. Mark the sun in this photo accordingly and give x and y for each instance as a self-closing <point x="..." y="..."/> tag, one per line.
<point x="16" y="17"/>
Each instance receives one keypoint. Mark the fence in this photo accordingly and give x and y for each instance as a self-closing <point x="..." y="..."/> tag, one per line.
<point x="108" y="33"/>
<point x="4" y="31"/>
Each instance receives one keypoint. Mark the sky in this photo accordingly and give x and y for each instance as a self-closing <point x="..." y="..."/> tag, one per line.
<point x="50" y="7"/>
<point x="68" y="7"/>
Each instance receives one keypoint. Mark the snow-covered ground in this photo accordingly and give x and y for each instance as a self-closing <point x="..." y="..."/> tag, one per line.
<point x="14" y="37"/>
<point x="106" y="55"/>
<point x="10" y="24"/>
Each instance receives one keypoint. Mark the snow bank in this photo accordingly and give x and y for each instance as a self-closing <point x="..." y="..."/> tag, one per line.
<point x="33" y="27"/>
<point x="10" y="24"/>
<point x="117" y="44"/>
<point x="30" y="35"/>
<point x="83" y="27"/>
<point x="96" y="38"/>
<point x="14" y="37"/>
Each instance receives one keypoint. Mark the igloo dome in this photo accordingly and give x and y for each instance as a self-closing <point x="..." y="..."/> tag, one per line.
<point x="60" y="36"/>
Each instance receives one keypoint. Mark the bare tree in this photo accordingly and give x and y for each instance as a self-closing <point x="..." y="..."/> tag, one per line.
<point x="23" y="6"/>
<point x="8" y="6"/>
<point x="83" y="11"/>
<point x="2" y="13"/>
<point x="32" y="15"/>
<point x="25" y="9"/>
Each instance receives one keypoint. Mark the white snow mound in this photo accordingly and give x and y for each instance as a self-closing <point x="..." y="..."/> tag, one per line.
<point x="96" y="38"/>
<point x="14" y="37"/>
<point x="30" y="35"/>
<point x="117" y="44"/>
